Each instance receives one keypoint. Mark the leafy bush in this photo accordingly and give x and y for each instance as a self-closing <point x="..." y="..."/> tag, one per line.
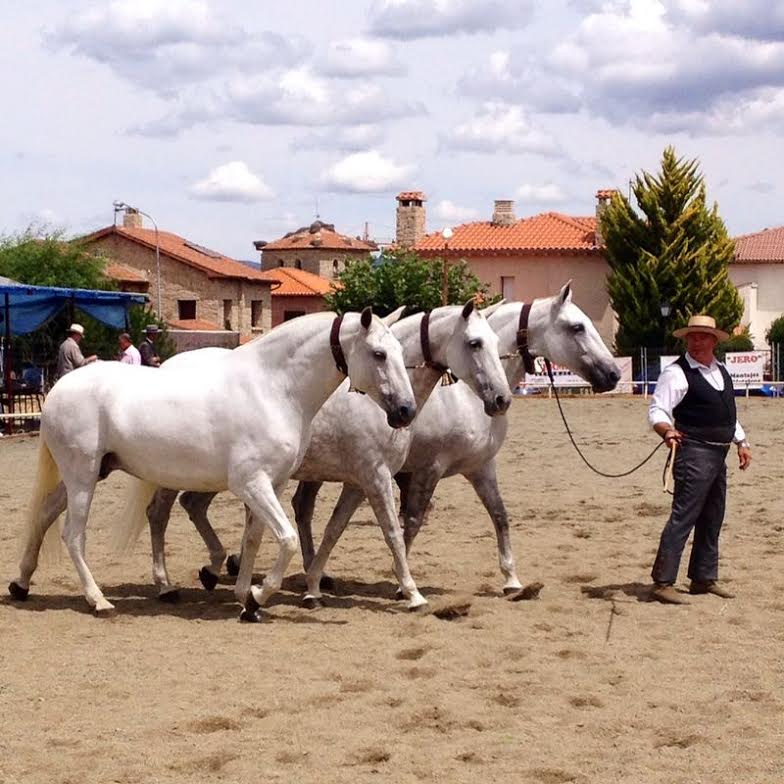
<point x="775" y="335"/>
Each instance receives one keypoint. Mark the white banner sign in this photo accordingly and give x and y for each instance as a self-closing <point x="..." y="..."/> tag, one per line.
<point x="566" y="378"/>
<point x="744" y="367"/>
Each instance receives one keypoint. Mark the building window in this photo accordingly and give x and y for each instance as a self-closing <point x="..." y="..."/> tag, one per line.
<point x="227" y="305"/>
<point x="507" y="287"/>
<point x="186" y="309"/>
<point x="255" y="312"/>
<point x="281" y="263"/>
<point x="292" y="314"/>
<point x="335" y="265"/>
<point x="298" y="263"/>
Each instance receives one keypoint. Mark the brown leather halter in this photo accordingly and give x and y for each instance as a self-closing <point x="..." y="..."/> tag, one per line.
<point x="337" y="349"/>
<point x="447" y="376"/>
<point x="522" y="339"/>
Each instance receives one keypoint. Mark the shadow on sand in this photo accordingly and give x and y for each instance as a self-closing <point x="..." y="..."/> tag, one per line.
<point x="639" y="591"/>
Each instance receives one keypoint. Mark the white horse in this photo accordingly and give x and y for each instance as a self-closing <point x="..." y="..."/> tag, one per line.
<point x="351" y="443"/>
<point x="240" y="422"/>
<point x="451" y="435"/>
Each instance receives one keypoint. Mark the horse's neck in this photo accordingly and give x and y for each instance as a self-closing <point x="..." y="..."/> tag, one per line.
<point x="408" y="332"/>
<point x="508" y="319"/>
<point x="299" y="353"/>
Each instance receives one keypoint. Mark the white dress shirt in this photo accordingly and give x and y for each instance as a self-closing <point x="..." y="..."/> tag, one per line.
<point x="672" y="387"/>
<point x="131" y="356"/>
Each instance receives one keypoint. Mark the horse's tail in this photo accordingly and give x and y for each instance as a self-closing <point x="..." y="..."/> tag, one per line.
<point x="134" y="518"/>
<point x="47" y="480"/>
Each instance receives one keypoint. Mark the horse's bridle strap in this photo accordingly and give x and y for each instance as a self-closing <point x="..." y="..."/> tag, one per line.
<point x="424" y="339"/>
<point x="337" y="350"/>
<point x="522" y="339"/>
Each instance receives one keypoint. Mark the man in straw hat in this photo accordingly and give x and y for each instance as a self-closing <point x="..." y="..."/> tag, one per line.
<point x="694" y="408"/>
<point x="147" y="347"/>
<point x="69" y="356"/>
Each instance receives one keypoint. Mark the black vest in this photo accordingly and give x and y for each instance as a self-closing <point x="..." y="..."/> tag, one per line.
<point x="705" y="413"/>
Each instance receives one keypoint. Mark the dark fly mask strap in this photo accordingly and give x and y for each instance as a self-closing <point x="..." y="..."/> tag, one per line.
<point x="447" y="376"/>
<point x="522" y="340"/>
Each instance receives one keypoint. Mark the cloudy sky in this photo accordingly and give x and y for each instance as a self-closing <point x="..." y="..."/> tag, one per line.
<point x="234" y="121"/>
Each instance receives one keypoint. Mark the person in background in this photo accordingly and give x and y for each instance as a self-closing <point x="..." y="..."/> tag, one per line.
<point x="694" y="407"/>
<point x="69" y="356"/>
<point x="129" y="354"/>
<point x="147" y="348"/>
<point x="32" y="377"/>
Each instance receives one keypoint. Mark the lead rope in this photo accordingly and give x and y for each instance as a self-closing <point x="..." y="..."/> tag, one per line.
<point x="577" y="448"/>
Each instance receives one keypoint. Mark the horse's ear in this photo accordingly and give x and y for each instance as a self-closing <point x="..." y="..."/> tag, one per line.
<point x="490" y="309"/>
<point x="394" y="316"/>
<point x="366" y="317"/>
<point x="468" y="308"/>
<point x="565" y="295"/>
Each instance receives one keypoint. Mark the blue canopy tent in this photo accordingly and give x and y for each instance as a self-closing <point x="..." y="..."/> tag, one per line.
<point x="25" y="308"/>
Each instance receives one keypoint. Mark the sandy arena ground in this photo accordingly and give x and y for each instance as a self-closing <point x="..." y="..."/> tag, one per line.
<point x="592" y="683"/>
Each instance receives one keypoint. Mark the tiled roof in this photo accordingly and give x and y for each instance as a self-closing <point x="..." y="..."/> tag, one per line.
<point x="606" y="193"/>
<point x="550" y="233"/>
<point x="194" y="324"/>
<point x="123" y="274"/>
<point x="297" y="283"/>
<point x="214" y="264"/>
<point x="411" y="196"/>
<point x="318" y="235"/>
<point x="767" y="245"/>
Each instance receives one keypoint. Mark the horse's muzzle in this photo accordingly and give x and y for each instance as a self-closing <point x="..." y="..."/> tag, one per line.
<point x="498" y="405"/>
<point x="605" y="380"/>
<point x="401" y="416"/>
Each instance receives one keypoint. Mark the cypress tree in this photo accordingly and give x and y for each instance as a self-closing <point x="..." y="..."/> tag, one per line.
<point x="673" y="248"/>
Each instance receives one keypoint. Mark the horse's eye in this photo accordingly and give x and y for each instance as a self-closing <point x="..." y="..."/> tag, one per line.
<point x="380" y="355"/>
<point x="577" y="328"/>
<point x="475" y="343"/>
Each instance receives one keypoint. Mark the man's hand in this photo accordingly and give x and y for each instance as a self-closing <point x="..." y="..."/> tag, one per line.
<point x="744" y="456"/>
<point x="668" y="433"/>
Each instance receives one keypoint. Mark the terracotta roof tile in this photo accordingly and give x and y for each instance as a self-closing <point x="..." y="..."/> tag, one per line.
<point x="411" y="196"/>
<point x="766" y="246"/>
<point x="548" y="233"/>
<point x="123" y="274"/>
<point x="213" y="263"/>
<point x="297" y="283"/>
<point x="318" y="235"/>
<point x="196" y="324"/>
<point x="606" y="193"/>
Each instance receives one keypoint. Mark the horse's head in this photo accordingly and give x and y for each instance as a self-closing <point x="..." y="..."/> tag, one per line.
<point x="376" y="367"/>
<point x="472" y="355"/>
<point x="560" y="331"/>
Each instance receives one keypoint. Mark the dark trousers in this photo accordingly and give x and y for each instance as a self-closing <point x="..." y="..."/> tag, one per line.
<point x="700" y="474"/>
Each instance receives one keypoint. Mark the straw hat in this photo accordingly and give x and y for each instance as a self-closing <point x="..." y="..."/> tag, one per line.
<point x="77" y="328"/>
<point x="702" y="324"/>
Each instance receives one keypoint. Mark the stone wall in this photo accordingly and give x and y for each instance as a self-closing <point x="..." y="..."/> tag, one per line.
<point x="189" y="339"/>
<point x="410" y="225"/>
<point x="182" y="282"/>
<point x="320" y="261"/>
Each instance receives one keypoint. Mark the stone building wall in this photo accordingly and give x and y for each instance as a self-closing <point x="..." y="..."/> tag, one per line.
<point x="325" y="262"/>
<point x="182" y="282"/>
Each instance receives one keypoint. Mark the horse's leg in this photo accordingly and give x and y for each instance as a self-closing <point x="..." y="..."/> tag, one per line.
<point x="196" y="505"/>
<point x="158" y="512"/>
<point x="263" y="507"/>
<point x="485" y="482"/>
<point x="382" y="500"/>
<point x="403" y="482"/>
<point x="350" y="498"/>
<point x="419" y="492"/>
<point x="53" y="506"/>
<point x="80" y="496"/>
<point x="304" y="502"/>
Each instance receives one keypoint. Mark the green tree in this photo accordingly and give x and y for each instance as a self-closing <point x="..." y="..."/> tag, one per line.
<point x="743" y="341"/>
<point x="673" y="248"/>
<point x="401" y="278"/>
<point x="775" y="333"/>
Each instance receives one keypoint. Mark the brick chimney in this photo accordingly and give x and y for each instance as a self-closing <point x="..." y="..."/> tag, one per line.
<point x="132" y="219"/>
<point x="503" y="213"/>
<point x="410" y="225"/>
<point x="603" y="199"/>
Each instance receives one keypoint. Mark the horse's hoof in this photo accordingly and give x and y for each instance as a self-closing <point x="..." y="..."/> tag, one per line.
<point x="105" y="612"/>
<point x="170" y="597"/>
<point x="327" y="583"/>
<point x="512" y="591"/>
<point x="399" y="594"/>
<point x="311" y="603"/>
<point x="251" y="616"/>
<point x="207" y="578"/>
<point x="419" y="608"/>
<point x="17" y="592"/>
<point x="233" y="565"/>
<point x="528" y="593"/>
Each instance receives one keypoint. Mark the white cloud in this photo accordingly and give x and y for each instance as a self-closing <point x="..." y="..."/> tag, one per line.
<point x="498" y="127"/>
<point x="550" y="193"/>
<point x="367" y="172"/>
<point x="351" y="138"/>
<point x="761" y="19"/>
<point x="454" y="213"/>
<point x="407" y="19"/>
<point x="231" y="182"/>
<point x="355" y="57"/>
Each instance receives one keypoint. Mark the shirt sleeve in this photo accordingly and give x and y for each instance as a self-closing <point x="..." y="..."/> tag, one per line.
<point x="671" y="388"/>
<point x="740" y="434"/>
<point x="75" y="356"/>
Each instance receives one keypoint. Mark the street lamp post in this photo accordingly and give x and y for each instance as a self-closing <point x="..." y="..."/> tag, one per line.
<point x="447" y="235"/>
<point x="121" y="206"/>
<point x="665" y="308"/>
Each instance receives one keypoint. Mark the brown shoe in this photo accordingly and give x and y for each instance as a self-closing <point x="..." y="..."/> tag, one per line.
<point x="710" y="586"/>
<point x="666" y="593"/>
